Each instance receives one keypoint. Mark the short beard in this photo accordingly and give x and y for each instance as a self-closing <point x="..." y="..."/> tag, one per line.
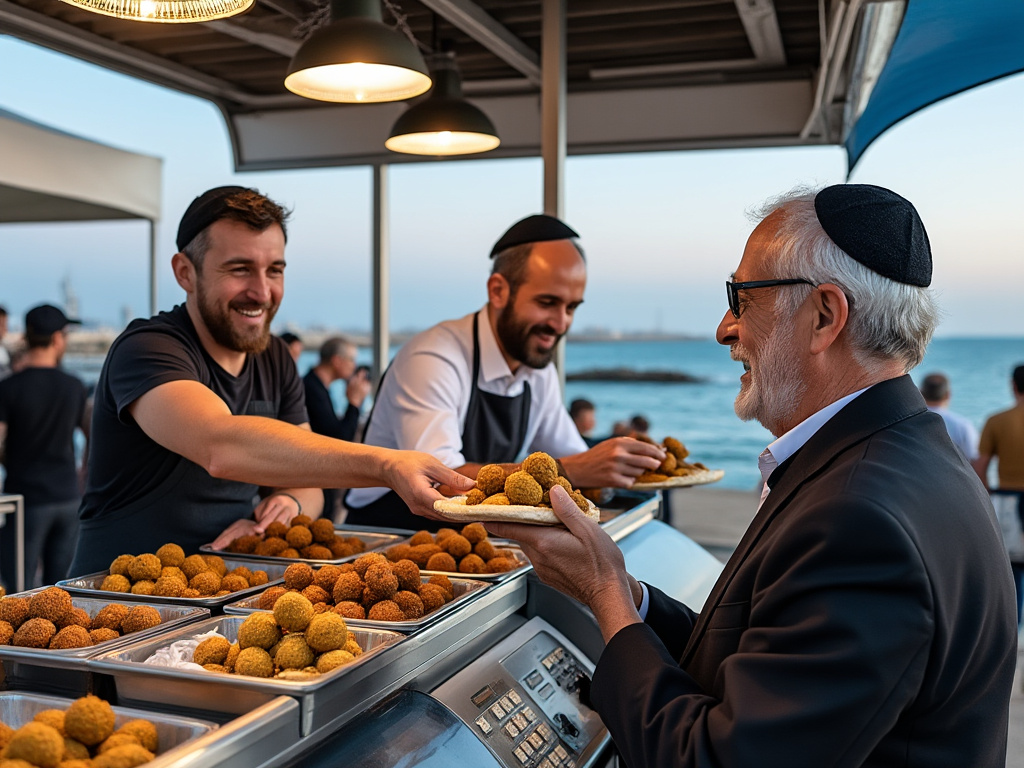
<point x="775" y="388"/>
<point x="218" y="323"/>
<point x="515" y="338"/>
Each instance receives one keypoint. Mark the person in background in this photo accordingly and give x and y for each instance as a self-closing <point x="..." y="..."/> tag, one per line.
<point x="41" y="407"/>
<point x="1002" y="439"/>
<point x="936" y="393"/>
<point x="583" y="415"/>
<point x="640" y="426"/>
<point x="295" y="345"/>
<point x="5" y="356"/>
<point x="337" y="363"/>
<point x="483" y="389"/>
<point x="198" y="407"/>
<point x="866" y="617"/>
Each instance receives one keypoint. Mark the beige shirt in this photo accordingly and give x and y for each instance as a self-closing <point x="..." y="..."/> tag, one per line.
<point x="1003" y="438"/>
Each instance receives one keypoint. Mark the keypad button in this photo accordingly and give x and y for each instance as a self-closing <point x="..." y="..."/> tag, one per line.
<point x="483" y="725"/>
<point x="528" y="714"/>
<point x="527" y="748"/>
<point x="533" y="679"/>
<point x="536" y="740"/>
<point x="521" y="756"/>
<point x="511" y="730"/>
<point x="544" y="731"/>
<point x="506" y="704"/>
<point x="514" y="698"/>
<point x="497" y="711"/>
<point x="560" y="751"/>
<point x="546" y="691"/>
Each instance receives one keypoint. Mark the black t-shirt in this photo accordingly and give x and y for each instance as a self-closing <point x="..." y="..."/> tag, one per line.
<point x="41" y="408"/>
<point x="139" y="495"/>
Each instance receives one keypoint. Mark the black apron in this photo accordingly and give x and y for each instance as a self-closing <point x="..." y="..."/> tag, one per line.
<point x="494" y="433"/>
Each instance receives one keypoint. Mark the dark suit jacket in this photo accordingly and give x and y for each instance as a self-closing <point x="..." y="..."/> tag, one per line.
<point x="867" y="617"/>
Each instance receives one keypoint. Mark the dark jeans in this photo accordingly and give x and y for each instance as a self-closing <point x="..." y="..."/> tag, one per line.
<point x="51" y="533"/>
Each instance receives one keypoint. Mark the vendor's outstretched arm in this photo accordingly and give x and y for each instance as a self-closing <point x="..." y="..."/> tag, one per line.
<point x="615" y="463"/>
<point x="188" y="418"/>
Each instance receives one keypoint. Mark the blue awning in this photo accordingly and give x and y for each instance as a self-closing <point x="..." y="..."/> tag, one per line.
<point x="943" y="47"/>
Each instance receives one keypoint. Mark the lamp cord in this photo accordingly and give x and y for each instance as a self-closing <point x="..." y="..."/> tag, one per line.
<point x="322" y="15"/>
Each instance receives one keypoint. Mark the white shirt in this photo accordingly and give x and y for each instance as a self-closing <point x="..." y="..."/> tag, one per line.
<point x="961" y="431"/>
<point x="423" y="401"/>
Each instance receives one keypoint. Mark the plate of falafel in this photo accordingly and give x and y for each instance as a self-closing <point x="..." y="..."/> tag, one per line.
<point x="675" y="471"/>
<point x="522" y="496"/>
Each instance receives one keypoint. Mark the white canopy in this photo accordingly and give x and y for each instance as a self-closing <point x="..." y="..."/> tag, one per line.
<point x="48" y="175"/>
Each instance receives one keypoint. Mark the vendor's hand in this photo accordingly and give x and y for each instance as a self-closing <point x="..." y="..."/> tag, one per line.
<point x="419" y="479"/>
<point x="233" y="531"/>
<point x="277" y="507"/>
<point x="617" y="463"/>
<point x="358" y="387"/>
<point x="580" y="560"/>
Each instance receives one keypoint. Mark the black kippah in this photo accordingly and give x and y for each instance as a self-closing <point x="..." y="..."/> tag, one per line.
<point x="878" y="228"/>
<point x="538" y="228"/>
<point x="203" y="211"/>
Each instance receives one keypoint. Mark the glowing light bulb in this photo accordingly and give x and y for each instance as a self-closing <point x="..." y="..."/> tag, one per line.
<point x="147" y="8"/>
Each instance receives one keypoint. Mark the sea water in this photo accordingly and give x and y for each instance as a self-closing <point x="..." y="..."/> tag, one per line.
<point x="701" y="414"/>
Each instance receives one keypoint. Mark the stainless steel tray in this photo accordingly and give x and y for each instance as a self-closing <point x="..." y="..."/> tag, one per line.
<point x="137" y="682"/>
<point x="174" y="732"/>
<point x="374" y="543"/>
<point x="90" y="585"/>
<point x="464" y="589"/>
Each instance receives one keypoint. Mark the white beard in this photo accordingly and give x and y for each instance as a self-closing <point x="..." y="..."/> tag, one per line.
<point x="775" y="388"/>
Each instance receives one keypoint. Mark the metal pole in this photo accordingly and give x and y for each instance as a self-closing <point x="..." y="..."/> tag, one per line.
<point x="381" y="271"/>
<point x="152" y="267"/>
<point x="552" y="115"/>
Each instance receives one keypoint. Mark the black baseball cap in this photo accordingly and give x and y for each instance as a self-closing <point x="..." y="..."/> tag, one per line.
<point x="47" y="319"/>
<point x="203" y="211"/>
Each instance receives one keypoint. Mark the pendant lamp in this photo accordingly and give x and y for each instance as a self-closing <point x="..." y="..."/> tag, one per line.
<point x="357" y="58"/>
<point x="167" y="11"/>
<point x="444" y="123"/>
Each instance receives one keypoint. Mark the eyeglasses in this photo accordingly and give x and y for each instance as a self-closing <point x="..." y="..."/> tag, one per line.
<point x="732" y="290"/>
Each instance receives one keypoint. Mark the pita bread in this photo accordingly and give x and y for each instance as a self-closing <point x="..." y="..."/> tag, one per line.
<point x="456" y="510"/>
<point x="697" y="477"/>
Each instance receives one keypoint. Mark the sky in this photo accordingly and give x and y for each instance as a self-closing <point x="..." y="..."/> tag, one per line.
<point x="662" y="231"/>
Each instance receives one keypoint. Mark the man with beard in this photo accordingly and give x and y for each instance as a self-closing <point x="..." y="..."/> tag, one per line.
<point x="198" y="407"/>
<point x="482" y="389"/>
<point x="867" y="615"/>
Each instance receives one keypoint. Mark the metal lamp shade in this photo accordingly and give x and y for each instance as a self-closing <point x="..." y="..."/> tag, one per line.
<point x="165" y="11"/>
<point x="357" y="60"/>
<point x="444" y="123"/>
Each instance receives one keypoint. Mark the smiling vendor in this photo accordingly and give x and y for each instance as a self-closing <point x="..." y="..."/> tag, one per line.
<point x="198" y="407"/>
<point x="482" y="389"/>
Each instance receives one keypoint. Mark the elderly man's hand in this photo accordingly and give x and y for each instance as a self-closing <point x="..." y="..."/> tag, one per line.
<point x="416" y="477"/>
<point x="616" y="463"/>
<point x="580" y="560"/>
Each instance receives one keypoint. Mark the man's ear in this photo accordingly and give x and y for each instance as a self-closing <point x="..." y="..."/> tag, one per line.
<point x="184" y="271"/>
<point x="498" y="291"/>
<point x="831" y="312"/>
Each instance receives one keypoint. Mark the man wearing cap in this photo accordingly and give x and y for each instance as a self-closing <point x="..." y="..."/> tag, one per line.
<point x="866" y="617"/>
<point x="482" y="389"/>
<point x="41" y="406"/>
<point x="198" y="407"/>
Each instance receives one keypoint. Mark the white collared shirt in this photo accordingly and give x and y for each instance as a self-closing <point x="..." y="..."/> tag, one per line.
<point x="423" y="402"/>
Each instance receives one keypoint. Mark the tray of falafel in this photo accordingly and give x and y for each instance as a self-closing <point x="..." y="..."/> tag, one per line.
<point x="675" y="471"/>
<point x="312" y="541"/>
<point x="372" y="591"/>
<point x="51" y="627"/>
<point x="232" y="664"/>
<point x="522" y="496"/>
<point x="466" y="552"/>
<point x="168" y="577"/>
<point x="50" y="730"/>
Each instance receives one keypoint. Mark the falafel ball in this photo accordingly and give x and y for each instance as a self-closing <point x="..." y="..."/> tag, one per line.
<point x="116" y="739"/>
<point x="421" y="553"/>
<point x="145" y="567"/>
<point x="294" y="652"/>
<point x="169" y="586"/>
<point x="325" y="576"/>
<point x="491" y="479"/>
<point x="315" y="595"/>
<point x="522" y="488"/>
<point x="442" y="581"/>
<point x="34" y="633"/>
<point x="52" y="717"/>
<point x="259" y="630"/>
<point x="124" y="756"/>
<point x="254" y="662"/>
<point x="212" y="650"/>
<point x="233" y="582"/>
<point x="205" y="583"/>
<point x="474" y="496"/>
<point x="110" y="616"/>
<point x="266" y="601"/>
<point x="77" y="616"/>
<point x="327" y="632"/>
<point x="668" y="464"/>
<point x="498" y="500"/>
<point x="144" y="732"/>
<point x="115" y="582"/>
<point x="139" y="618"/>
<point x="472" y="564"/>
<point x="192" y="565"/>
<point x="102" y="634"/>
<point x="581" y="501"/>
<point x="386" y="610"/>
<point x="474" y="533"/>
<point x="258" y="578"/>
<point x="276" y="530"/>
<point x="145" y="587"/>
<point x="244" y="545"/>
<point x="272" y="546"/>
<point x="457" y="546"/>
<point x="433" y="597"/>
<point x="322" y="530"/>
<point x="348" y="586"/>
<point x="89" y="720"/>
<point x="74" y="751"/>
<point x="332" y="660"/>
<point x="408" y="574"/>
<point x="421" y="537"/>
<point x="542" y="468"/>
<point x="303" y="520"/>
<point x="397" y="552"/>
<point x="293" y="611"/>
<point x="173" y="571"/>
<point x="676" y="448"/>
<point x="410" y="603"/>
<point x="6" y="633"/>
<point x="349" y="609"/>
<point x="72" y="636"/>
<point x="299" y="536"/>
<point x="365" y="561"/>
<point x="216" y="564"/>
<point x="501" y="565"/>
<point x="14" y="610"/>
<point x="37" y="744"/>
<point x="119" y="565"/>
<point x="442" y="561"/>
<point x="317" y="552"/>
<point x="485" y="549"/>
<point x="381" y="581"/>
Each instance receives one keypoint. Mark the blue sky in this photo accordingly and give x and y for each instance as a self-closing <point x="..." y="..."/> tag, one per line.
<point x="662" y="231"/>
